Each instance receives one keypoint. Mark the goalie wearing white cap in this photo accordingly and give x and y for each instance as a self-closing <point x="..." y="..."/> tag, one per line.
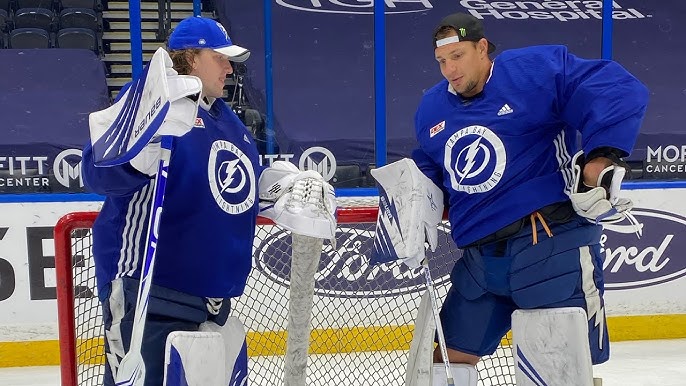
<point x="214" y="184"/>
<point x="497" y="138"/>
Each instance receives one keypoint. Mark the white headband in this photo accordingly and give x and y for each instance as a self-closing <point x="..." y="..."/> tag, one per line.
<point x="448" y="40"/>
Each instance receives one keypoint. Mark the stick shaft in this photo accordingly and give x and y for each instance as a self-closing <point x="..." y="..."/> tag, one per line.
<point x="132" y="363"/>
<point x="304" y="263"/>
<point x="439" y="326"/>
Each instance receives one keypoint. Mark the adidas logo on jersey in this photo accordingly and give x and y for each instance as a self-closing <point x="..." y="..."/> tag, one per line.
<point x="506" y="109"/>
<point x="245" y="138"/>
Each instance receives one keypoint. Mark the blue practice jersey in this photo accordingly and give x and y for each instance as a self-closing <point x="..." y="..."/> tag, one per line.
<point x="210" y="210"/>
<point x="506" y="152"/>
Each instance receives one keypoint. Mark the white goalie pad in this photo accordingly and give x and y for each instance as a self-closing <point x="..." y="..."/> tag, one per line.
<point x="410" y="208"/>
<point x="301" y="202"/>
<point x="551" y="347"/>
<point x="195" y="359"/>
<point x="212" y="356"/>
<point x="153" y="101"/>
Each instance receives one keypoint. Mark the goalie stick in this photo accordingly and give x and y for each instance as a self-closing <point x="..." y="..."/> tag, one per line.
<point x="304" y="263"/>
<point x="131" y="370"/>
<point x="431" y="288"/>
<point x="308" y="194"/>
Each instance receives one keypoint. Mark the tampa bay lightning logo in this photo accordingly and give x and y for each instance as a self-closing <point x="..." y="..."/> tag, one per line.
<point x="475" y="159"/>
<point x="231" y="177"/>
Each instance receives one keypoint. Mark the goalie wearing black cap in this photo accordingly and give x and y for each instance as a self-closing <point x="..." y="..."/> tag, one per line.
<point x="498" y="137"/>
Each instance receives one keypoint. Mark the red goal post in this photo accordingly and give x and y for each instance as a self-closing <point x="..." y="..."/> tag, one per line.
<point x="362" y="318"/>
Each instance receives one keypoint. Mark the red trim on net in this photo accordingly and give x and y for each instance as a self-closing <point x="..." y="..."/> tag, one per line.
<point x="65" y="290"/>
<point x="346" y="215"/>
<point x="65" y="279"/>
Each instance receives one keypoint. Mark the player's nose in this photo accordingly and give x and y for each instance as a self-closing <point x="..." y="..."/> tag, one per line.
<point x="452" y="66"/>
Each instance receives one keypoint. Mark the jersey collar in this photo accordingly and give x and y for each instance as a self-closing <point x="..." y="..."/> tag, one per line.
<point x="207" y="102"/>
<point x="490" y="74"/>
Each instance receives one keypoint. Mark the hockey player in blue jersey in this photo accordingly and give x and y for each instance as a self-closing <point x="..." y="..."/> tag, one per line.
<point x="499" y="139"/>
<point x="206" y="232"/>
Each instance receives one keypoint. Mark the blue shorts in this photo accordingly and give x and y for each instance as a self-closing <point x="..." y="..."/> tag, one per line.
<point x="168" y="311"/>
<point x="489" y="282"/>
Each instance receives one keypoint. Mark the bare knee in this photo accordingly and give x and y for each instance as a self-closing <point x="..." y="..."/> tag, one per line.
<point x="455" y="356"/>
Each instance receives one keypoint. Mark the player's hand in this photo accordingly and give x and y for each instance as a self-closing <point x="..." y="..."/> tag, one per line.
<point x="593" y="168"/>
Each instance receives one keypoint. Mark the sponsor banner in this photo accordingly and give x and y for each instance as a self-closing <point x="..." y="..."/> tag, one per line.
<point x="645" y="275"/>
<point x="330" y="46"/>
<point x="61" y="173"/>
<point x="665" y="162"/>
<point x="42" y="173"/>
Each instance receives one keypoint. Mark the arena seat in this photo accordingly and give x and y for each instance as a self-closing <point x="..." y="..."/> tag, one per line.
<point x="79" y="18"/>
<point x="4" y="18"/>
<point x="347" y="176"/>
<point x="77" y="38"/>
<point x="42" y="18"/>
<point x="89" y="4"/>
<point x="29" y="38"/>
<point x="47" y="4"/>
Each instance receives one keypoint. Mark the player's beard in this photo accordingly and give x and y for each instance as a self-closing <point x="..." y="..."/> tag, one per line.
<point x="469" y="88"/>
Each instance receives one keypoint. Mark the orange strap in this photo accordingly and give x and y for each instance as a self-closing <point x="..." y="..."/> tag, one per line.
<point x="534" y="232"/>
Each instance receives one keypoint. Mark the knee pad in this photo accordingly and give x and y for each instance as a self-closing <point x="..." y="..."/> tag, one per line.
<point x="462" y="373"/>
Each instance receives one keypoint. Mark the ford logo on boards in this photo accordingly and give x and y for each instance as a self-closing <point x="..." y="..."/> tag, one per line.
<point x="659" y="256"/>
<point x="347" y="272"/>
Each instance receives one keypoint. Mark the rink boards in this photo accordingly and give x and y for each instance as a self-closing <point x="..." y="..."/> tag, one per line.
<point x="645" y="284"/>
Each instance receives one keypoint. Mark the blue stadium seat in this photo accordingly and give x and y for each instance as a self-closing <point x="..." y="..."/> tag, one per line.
<point x="79" y="18"/>
<point x="29" y="38"/>
<point x="4" y="18"/>
<point x="4" y="27"/>
<point x="34" y="18"/>
<point x="347" y="176"/>
<point x="90" y="4"/>
<point x="77" y="38"/>
<point x="47" y="4"/>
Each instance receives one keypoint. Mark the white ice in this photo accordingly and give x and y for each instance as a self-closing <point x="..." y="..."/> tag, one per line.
<point x="641" y="363"/>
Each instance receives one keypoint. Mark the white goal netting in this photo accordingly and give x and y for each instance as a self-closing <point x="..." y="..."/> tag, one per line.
<point x="362" y="314"/>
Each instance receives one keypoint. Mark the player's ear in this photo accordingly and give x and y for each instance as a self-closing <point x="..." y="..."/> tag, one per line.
<point x="483" y="46"/>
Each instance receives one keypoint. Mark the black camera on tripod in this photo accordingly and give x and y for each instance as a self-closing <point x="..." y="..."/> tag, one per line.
<point x="251" y="118"/>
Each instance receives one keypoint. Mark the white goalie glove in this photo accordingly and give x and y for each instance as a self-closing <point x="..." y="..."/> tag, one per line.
<point x="410" y="208"/>
<point x="601" y="204"/>
<point x="301" y="202"/>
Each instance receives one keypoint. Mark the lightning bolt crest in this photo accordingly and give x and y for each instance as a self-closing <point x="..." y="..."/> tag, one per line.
<point x="473" y="150"/>
<point x="230" y="168"/>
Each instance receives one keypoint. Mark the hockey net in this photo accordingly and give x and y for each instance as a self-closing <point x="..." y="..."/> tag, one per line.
<point x="362" y="316"/>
